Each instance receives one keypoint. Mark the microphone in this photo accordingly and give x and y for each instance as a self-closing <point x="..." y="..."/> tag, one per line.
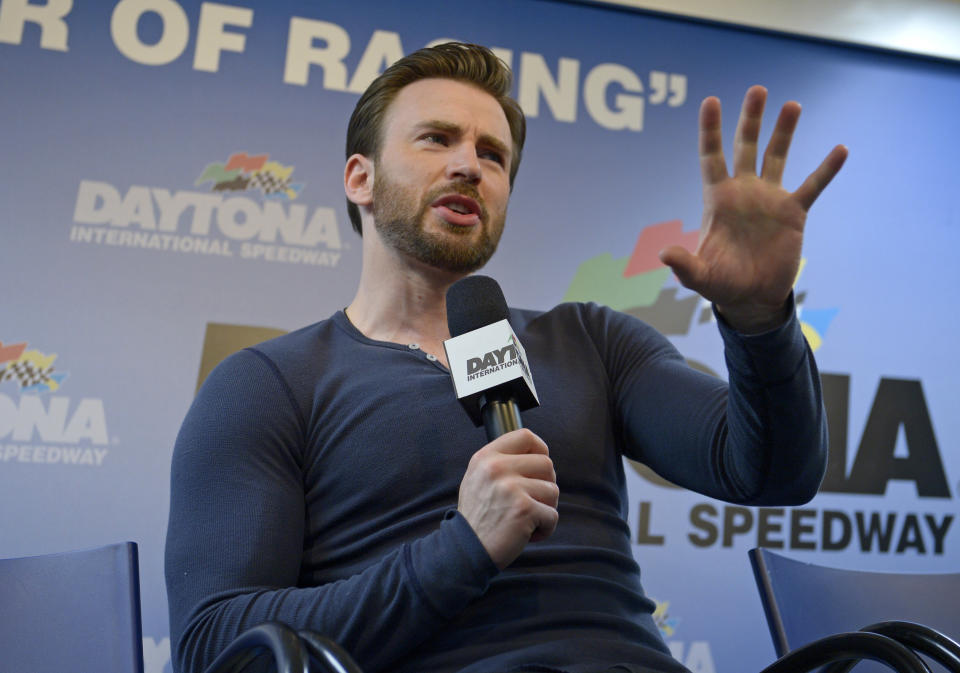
<point x="488" y="365"/>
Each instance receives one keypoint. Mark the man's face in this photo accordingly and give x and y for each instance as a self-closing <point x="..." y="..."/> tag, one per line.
<point x="441" y="182"/>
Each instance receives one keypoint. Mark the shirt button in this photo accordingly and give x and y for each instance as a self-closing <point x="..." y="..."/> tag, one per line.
<point x="431" y="357"/>
<point x="413" y="347"/>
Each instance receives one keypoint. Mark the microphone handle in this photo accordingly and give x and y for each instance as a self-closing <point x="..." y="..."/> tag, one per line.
<point x="500" y="415"/>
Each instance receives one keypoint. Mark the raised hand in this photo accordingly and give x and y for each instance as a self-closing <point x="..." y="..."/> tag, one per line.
<point x="752" y="232"/>
<point x="509" y="495"/>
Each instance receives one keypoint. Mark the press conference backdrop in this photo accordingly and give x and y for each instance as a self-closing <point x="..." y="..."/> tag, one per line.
<point x="172" y="174"/>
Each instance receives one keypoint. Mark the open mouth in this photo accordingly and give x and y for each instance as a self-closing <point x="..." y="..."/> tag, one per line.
<point x="458" y="209"/>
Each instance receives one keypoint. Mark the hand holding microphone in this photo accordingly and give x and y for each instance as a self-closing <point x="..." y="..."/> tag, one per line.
<point x="509" y="493"/>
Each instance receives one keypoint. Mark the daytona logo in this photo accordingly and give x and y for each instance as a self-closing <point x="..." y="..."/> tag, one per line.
<point x="237" y="218"/>
<point x="494" y="361"/>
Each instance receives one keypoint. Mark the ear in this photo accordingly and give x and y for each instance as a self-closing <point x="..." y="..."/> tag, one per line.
<point x="358" y="180"/>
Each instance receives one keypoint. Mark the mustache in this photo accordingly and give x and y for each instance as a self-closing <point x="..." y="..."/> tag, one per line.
<point x="463" y="189"/>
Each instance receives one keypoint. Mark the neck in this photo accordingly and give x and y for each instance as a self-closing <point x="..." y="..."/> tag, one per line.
<point x="401" y="300"/>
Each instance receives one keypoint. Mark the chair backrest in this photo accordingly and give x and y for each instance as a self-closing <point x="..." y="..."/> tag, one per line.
<point x="804" y="602"/>
<point x="75" y="611"/>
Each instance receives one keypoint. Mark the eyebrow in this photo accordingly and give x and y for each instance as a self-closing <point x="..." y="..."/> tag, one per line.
<point x="454" y="129"/>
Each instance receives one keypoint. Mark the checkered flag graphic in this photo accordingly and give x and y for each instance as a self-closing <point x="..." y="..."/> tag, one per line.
<point x="26" y="373"/>
<point x="268" y="182"/>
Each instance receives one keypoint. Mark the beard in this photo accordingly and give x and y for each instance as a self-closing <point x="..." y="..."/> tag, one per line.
<point x="399" y="220"/>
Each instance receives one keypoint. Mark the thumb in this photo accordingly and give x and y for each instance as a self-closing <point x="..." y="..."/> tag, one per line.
<point x="687" y="266"/>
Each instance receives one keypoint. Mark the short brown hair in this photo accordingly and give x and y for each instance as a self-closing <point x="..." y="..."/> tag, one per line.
<point x="453" y="60"/>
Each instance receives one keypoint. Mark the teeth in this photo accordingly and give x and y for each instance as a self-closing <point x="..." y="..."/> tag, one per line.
<point x="458" y="208"/>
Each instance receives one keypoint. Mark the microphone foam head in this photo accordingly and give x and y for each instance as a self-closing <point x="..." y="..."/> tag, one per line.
<point x="473" y="302"/>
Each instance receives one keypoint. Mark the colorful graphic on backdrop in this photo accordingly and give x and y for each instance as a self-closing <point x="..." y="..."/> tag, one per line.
<point x="135" y="99"/>
<point x="635" y="285"/>
<point x="45" y="428"/>
<point x="224" y="222"/>
<point x="31" y="369"/>
<point x="243" y="173"/>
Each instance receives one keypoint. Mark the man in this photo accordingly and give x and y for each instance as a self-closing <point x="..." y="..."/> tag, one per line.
<point x="328" y="479"/>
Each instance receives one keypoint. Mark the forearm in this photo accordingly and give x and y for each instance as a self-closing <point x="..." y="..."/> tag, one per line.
<point x="777" y="436"/>
<point x="244" y="547"/>
<point x="759" y="440"/>
<point x="378" y="615"/>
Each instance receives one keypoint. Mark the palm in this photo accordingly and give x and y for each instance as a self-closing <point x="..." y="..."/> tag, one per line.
<point x="752" y="230"/>
<point x="750" y="244"/>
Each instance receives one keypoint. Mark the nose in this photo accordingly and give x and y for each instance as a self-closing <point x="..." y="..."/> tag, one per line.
<point x="464" y="164"/>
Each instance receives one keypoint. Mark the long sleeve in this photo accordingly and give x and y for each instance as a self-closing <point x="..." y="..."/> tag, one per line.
<point x="315" y="483"/>
<point x="236" y="539"/>
<point x="761" y="440"/>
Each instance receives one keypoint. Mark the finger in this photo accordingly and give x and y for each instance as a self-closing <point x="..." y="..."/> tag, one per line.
<point x="545" y="492"/>
<point x="713" y="165"/>
<point x="534" y="466"/>
<point x="687" y="267"/>
<point x="815" y="183"/>
<point x="748" y="130"/>
<point x="518" y="441"/>
<point x="775" y="157"/>
<point x="546" y="519"/>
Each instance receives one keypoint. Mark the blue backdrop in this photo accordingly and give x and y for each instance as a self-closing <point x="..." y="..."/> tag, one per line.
<point x="171" y="164"/>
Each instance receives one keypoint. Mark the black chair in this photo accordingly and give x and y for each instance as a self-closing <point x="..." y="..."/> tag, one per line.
<point x="272" y="639"/>
<point x="815" y="616"/>
<point x="81" y="611"/>
<point x="289" y="651"/>
<point x="330" y="657"/>
<point x="292" y="652"/>
<point x="805" y="603"/>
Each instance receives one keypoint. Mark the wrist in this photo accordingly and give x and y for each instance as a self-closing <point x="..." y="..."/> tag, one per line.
<point x="754" y="318"/>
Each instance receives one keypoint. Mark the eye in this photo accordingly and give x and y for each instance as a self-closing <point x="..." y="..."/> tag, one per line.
<point x="492" y="155"/>
<point x="436" y="138"/>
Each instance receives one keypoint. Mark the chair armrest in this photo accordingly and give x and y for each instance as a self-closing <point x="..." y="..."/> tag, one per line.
<point x="332" y="657"/>
<point x="849" y="646"/>
<point x="923" y="639"/>
<point x="280" y="641"/>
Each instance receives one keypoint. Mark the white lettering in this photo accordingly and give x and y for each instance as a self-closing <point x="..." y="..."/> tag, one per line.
<point x="629" y="109"/>
<point x="96" y="202"/>
<point x="203" y="207"/>
<point x="383" y="49"/>
<point x="249" y="223"/>
<point x="505" y="55"/>
<point x="137" y="207"/>
<point x="53" y="29"/>
<point x="301" y="53"/>
<point x="8" y="415"/>
<point x="47" y="422"/>
<point x="312" y="42"/>
<point x="212" y="38"/>
<point x="171" y="207"/>
<point x="698" y="658"/>
<point x="173" y="39"/>
<point x="560" y="95"/>
<point x="661" y="84"/>
<point x="280" y="253"/>
<point x="166" y="242"/>
<point x="323" y="229"/>
<point x="237" y="218"/>
<point x="156" y="655"/>
<point x="290" y="225"/>
<point x="88" y="420"/>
